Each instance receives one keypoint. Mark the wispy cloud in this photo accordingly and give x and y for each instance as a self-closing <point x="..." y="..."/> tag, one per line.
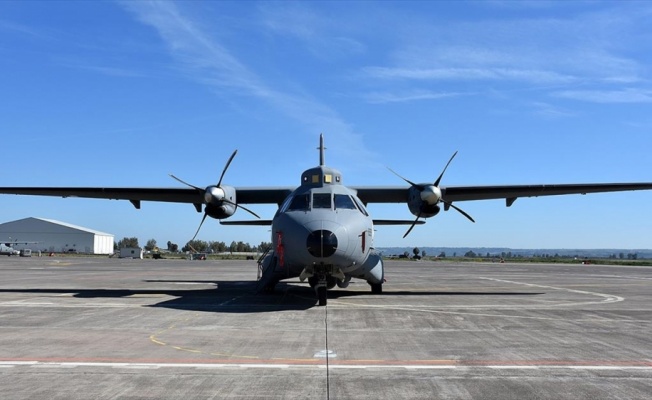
<point x="323" y="37"/>
<point x="608" y="96"/>
<point x="550" y="111"/>
<point x="195" y="48"/>
<point x="391" y="97"/>
<point x="586" y="46"/>
<point x="104" y="70"/>
<point x="211" y="63"/>
<point x="21" y="29"/>
<point x="469" y="74"/>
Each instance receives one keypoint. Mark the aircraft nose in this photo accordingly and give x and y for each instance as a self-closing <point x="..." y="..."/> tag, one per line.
<point x="321" y="243"/>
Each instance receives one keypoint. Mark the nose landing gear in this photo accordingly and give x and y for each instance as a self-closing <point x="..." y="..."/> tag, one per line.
<point x="322" y="277"/>
<point x="320" y="284"/>
<point x="322" y="298"/>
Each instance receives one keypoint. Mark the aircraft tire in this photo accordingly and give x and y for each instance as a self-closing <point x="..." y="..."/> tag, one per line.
<point x="321" y="295"/>
<point x="376" y="288"/>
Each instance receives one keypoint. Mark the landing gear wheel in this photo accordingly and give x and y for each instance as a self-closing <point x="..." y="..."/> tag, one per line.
<point x="313" y="281"/>
<point x="321" y="295"/>
<point x="376" y="288"/>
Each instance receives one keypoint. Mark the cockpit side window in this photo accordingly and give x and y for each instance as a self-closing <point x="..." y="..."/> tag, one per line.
<point x="360" y="206"/>
<point x="321" y="200"/>
<point x="300" y="202"/>
<point x="343" y="201"/>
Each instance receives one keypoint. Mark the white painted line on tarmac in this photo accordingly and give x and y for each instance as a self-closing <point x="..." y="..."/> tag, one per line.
<point x="607" y="298"/>
<point x="154" y="366"/>
<point x="18" y="363"/>
<point x="65" y="305"/>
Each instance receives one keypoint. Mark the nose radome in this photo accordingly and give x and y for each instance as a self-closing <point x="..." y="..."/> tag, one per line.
<point x="321" y="243"/>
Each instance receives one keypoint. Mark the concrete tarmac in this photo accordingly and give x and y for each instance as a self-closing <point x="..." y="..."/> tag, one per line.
<point x="100" y="328"/>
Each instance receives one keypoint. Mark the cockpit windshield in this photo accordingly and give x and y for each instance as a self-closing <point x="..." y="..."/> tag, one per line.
<point x="300" y="202"/>
<point x="343" y="201"/>
<point x="321" y="200"/>
<point x="311" y="201"/>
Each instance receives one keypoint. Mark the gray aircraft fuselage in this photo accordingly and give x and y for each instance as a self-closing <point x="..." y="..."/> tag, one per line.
<point x="323" y="233"/>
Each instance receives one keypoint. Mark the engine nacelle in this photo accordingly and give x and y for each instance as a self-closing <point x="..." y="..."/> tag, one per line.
<point x="220" y="201"/>
<point x="220" y="211"/>
<point x="424" y="200"/>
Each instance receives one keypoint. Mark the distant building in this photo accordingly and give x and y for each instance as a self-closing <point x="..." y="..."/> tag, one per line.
<point x="55" y="236"/>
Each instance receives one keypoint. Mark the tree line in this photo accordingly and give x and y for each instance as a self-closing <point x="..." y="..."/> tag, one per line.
<point x="199" y="246"/>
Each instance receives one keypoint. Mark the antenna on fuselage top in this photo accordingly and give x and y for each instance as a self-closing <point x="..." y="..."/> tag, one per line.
<point x="321" y="149"/>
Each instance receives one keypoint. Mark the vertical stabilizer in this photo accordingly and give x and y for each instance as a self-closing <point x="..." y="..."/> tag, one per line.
<point x="321" y="149"/>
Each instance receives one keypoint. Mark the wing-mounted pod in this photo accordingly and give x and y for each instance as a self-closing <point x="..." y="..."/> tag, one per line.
<point x="423" y="199"/>
<point x="220" y="200"/>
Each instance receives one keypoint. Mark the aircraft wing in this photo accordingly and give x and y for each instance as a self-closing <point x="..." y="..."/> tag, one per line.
<point x="276" y="195"/>
<point x="508" y="192"/>
<point x="251" y="195"/>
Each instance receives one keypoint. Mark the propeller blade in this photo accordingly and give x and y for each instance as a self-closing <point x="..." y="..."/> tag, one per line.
<point x="405" y="179"/>
<point x="459" y="210"/>
<point x="412" y="226"/>
<point x="243" y="207"/>
<point x="226" y="167"/>
<point x="186" y="183"/>
<point x="200" y="224"/>
<point x="442" y="172"/>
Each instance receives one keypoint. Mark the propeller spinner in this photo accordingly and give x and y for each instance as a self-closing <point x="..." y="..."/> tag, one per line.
<point x="215" y="196"/>
<point x="432" y="195"/>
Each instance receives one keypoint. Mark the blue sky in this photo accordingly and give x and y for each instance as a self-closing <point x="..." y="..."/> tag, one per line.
<point x="124" y="93"/>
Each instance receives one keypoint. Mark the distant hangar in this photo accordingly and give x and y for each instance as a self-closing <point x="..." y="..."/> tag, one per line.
<point x="55" y="236"/>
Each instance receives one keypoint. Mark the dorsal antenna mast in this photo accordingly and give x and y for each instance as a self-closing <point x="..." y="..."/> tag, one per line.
<point x="321" y="149"/>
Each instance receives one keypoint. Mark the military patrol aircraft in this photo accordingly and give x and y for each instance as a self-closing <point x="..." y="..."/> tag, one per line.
<point x="322" y="231"/>
<point x="6" y="248"/>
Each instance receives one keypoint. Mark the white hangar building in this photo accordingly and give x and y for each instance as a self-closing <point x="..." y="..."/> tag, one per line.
<point x="55" y="236"/>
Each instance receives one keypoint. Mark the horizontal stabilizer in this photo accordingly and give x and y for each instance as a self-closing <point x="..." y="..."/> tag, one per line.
<point x="397" y="222"/>
<point x="259" y="222"/>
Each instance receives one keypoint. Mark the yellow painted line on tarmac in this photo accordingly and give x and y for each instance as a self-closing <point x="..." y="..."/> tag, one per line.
<point x="155" y="338"/>
<point x="185" y="349"/>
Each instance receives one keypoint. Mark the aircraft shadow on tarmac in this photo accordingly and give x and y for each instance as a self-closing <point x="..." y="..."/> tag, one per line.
<point x="228" y="297"/>
<point x="241" y="296"/>
<point x="335" y="294"/>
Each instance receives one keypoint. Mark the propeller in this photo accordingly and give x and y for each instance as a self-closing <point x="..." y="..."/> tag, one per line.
<point x="432" y="195"/>
<point x="214" y="194"/>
